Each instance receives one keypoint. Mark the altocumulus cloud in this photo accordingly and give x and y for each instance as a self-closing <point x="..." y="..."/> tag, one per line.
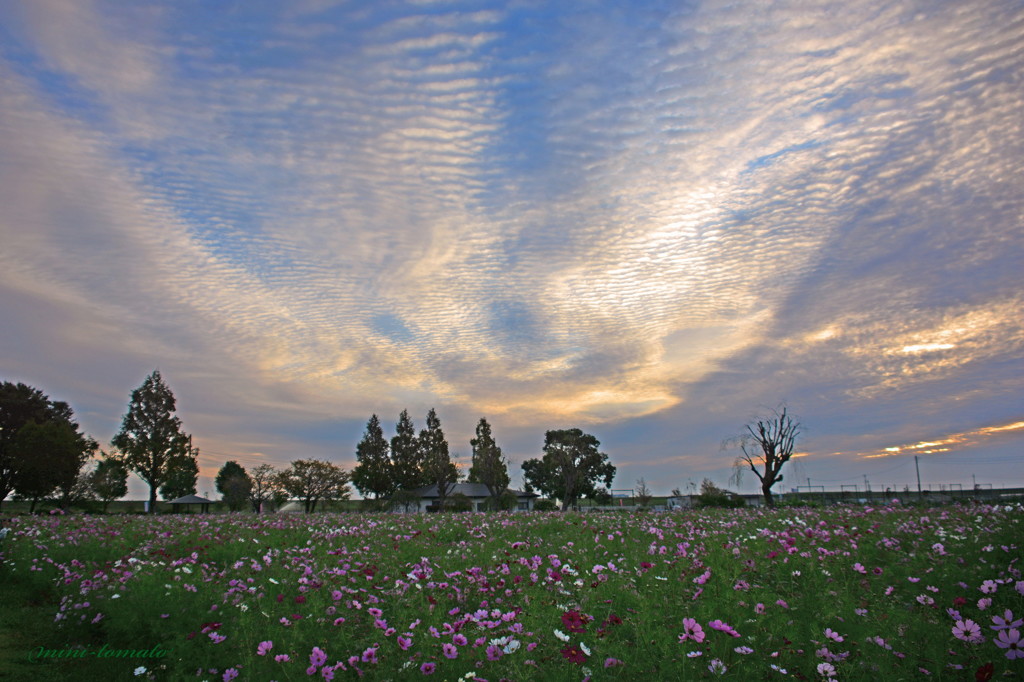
<point x="649" y="220"/>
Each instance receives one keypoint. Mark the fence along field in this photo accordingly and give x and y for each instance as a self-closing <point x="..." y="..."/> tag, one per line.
<point x="850" y="593"/>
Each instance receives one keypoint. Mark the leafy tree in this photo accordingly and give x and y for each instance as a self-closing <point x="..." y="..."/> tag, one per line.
<point x="234" y="485"/>
<point x="438" y="467"/>
<point x="265" y="486"/>
<point x="571" y="467"/>
<point x="21" y="405"/>
<point x="77" y="491"/>
<point x="406" y="455"/>
<point x="373" y="473"/>
<point x="50" y="455"/>
<point x="767" y="442"/>
<point x="151" y="440"/>
<point x="713" y="496"/>
<point x="109" y="480"/>
<point x="488" y="465"/>
<point x="312" y="480"/>
<point x="182" y="474"/>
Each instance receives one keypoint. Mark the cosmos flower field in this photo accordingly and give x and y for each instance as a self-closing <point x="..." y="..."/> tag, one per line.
<point x="849" y="593"/>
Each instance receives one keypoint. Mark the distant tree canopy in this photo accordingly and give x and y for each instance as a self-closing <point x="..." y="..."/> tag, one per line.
<point x="571" y="467"/>
<point x="438" y="467"/>
<point x="265" y="486"/>
<point x="151" y="441"/>
<point x="41" y="447"/>
<point x="488" y="465"/>
<point x="406" y="455"/>
<point x="234" y="485"/>
<point x="109" y="480"/>
<point x="312" y="480"/>
<point x="374" y="473"/>
<point x="182" y="475"/>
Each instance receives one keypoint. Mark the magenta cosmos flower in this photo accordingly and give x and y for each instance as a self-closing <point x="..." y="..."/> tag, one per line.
<point x="428" y="668"/>
<point x="691" y="630"/>
<point x="574" y="654"/>
<point x="574" y="621"/>
<point x="1010" y="640"/>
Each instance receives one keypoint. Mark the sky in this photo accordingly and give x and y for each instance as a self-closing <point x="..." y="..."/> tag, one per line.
<point x="653" y="221"/>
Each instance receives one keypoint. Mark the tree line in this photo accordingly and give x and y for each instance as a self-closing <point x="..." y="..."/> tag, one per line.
<point x="43" y="455"/>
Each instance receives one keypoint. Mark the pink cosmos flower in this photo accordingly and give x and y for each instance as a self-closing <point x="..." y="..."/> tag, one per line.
<point x="984" y="603"/>
<point x="967" y="631"/>
<point x="611" y="662"/>
<point x="833" y="635"/>
<point x="229" y="674"/>
<point x="1006" y="622"/>
<point x="459" y="639"/>
<point x="826" y="670"/>
<point x="404" y="643"/>
<point x="722" y="626"/>
<point x="717" y="667"/>
<point x="1010" y="640"/>
<point x="428" y="668"/>
<point x="988" y="587"/>
<point x="494" y="653"/>
<point x="263" y="648"/>
<point x="691" y="630"/>
<point x="317" y="657"/>
<point x="450" y="650"/>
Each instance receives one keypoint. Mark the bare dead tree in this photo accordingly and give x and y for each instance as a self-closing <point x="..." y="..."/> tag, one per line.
<point x="768" y="443"/>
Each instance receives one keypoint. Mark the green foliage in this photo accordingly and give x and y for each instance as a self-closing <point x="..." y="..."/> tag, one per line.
<point x="488" y="465"/>
<point x="571" y="467"/>
<point x="49" y="455"/>
<point x="151" y="439"/>
<point x="265" y="487"/>
<point x="312" y="480"/>
<point x="373" y="472"/>
<point x="404" y="501"/>
<point x="458" y="502"/>
<point x="713" y="496"/>
<point x="182" y="474"/>
<point x="438" y="467"/>
<point x="109" y="480"/>
<point x="406" y="455"/>
<point x="234" y="485"/>
<point x="544" y="505"/>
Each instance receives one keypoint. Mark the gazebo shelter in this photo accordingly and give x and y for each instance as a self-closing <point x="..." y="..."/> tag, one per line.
<point x="188" y="500"/>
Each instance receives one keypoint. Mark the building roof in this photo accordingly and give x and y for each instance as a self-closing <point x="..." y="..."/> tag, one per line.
<point x="467" y="489"/>
<point x="191" y="499"/>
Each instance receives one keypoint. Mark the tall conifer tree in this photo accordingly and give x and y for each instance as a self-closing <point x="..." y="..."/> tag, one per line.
<point x="406" y="455"/>
<point x="373" y="473"/>
<point x="151" y="439"/>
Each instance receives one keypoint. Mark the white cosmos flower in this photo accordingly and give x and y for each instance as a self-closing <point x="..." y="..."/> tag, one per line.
<point x="584" y="648"/>
<point x="561" y="635"/>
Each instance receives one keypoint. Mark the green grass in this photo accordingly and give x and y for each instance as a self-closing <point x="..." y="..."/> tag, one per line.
<point x="779" y="578"/>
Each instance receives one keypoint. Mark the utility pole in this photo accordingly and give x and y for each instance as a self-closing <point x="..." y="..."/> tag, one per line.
<point x="918" y="476"/>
